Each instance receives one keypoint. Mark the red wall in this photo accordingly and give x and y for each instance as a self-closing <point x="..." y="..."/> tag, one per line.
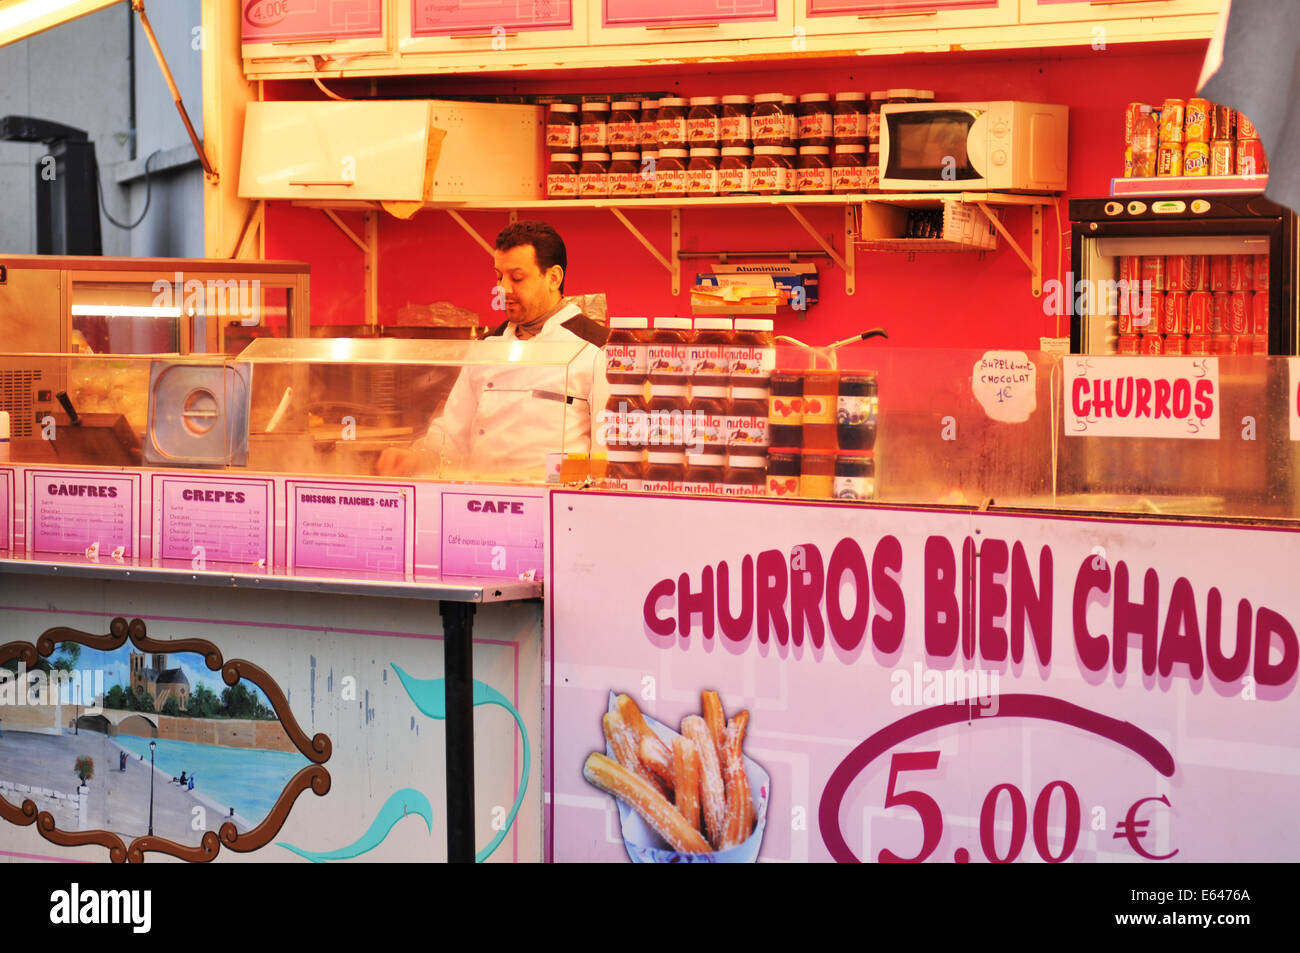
<point x="952" y="300"/>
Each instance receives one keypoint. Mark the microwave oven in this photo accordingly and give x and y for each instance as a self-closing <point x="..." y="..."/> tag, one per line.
<point x="999" y="146"/>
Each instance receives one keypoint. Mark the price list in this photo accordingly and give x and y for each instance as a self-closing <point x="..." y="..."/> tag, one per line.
<point x="213" y="519"/>
<point x="94" y="513"/>
<point x="357" y="527"/>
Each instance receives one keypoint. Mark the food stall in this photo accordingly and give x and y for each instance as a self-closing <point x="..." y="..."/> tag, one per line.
<point x="883" y="513"/>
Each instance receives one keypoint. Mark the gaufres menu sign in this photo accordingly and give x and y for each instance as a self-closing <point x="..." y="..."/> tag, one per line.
<point x="737" y="681"/>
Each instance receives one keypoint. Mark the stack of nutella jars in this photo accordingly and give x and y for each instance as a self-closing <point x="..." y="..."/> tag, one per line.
<point x="822" y="426"/>
<point x="688" y="405"/>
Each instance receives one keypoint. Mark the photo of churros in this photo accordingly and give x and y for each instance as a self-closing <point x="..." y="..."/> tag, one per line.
<point x="683" y="796"/>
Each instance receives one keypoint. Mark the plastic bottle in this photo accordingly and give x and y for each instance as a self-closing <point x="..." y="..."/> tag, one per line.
<point x="1146" y="143"/>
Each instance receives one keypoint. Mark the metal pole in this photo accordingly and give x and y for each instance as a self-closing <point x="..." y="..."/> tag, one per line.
<point x="458" y="673"/>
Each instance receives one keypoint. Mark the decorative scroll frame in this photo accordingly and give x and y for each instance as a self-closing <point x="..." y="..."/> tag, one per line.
<point x="316" y="749"/>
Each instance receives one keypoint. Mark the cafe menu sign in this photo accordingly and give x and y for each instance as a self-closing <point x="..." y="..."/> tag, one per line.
<point x="279" y="21"/>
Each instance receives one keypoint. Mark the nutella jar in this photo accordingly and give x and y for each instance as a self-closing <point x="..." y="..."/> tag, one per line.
<point x="746" y="425"/>
<point x="666" y="352"/>
<point x="562" y="176"/>
<point x="878" y="98"/>
<point x="855" y="411"/>
<point x="733" y="170"/>
<point x="769" y="172"/>
<point x="562" y="128"/>
<point x="665" y="471"/>
<point x="785" y="409"/>
<point x="848" y="169"/>
<point x="594" y="131"/>
<point x="849" y="122"/>
<point x="625" y="180"/>
<point x="816" y="121"/>
<point x="649" y="164"/>
<point x="648" y="127"/>
<point x="768" y="121"/>
<point x="626" y="352"/>
<point x="622" y="423"/>
<point x="702" y="173"/>
<point x="855" y="476"/>
<point x="707" y="356"/>
<point x="593" y="176"/>
<point x="666" y="418"/>
<point x="783" y="473"/>
<point x="672" y="123"/>
<point x="791" y="156"/>
<point x="871" y="173"/>
<point x="624" y="125"/>
<point x="624" y="470"/>
<point x="745" y="476"/>
<point x="704" y="123"/>
<point x="704" y="425"/>
<point x="670" y="174"/>
<point x="814" y="170"/>
<point x="704" y="473"/>
<point x="791" y="106"/>
<point x="736" y="112"/>
<point x="752" y="356"/>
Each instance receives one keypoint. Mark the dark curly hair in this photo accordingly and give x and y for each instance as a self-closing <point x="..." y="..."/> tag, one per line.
<point x="546" y="242"/>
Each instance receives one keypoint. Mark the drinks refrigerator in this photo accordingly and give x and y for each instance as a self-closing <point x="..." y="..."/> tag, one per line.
<point x="1203" y="256"/>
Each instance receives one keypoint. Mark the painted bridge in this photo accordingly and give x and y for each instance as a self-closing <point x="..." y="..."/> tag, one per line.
<point x="114" y="722"/>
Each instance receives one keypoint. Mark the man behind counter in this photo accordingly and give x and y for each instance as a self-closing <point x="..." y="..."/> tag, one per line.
<point x="504" y="419"/>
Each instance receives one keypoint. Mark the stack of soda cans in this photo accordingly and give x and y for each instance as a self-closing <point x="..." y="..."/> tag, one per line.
<point x="1198" y="137"/>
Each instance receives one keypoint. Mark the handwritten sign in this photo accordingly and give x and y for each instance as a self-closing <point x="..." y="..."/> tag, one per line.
<point x="1175" y="397"/>
<point x="354" y="526"/>
<point x="82" y="512"/>
<point x="491" y="535"/>
<point x="1005" y="383"/>
<point x="213" y="519"/>
<point x="271" y="21"/>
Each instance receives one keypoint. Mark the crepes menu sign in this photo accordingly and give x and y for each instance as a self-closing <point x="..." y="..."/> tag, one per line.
<point x="272" y="21"/>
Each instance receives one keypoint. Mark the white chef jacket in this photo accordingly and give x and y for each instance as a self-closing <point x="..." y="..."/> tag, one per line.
<point x="502" y="420"/>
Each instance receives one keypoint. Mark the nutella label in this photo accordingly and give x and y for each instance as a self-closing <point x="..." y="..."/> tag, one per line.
<point x="562" y="186"/>
<point x="856" y="411"/>
<point x="818" y="409"/>
<point x="769" y="129"/>
<point x="703" y="130"/>
<point x="768" y="180"/>
<point x="618" y="483"/>
<point x="594" y="134"/>
<point x="734" y="180"/>
<point x="851" y="126"/>
<point x="699" y="489"/>
<point x="782" y="485"/>
<point x="667" y="360"/>
<point x="785" y="410"/>
<point x="753" y="362"/>
<point x="672" y="130"/>
<point x="624" y="134"/>
<point x="670" y="180"/>
<point x="625" y="183"/>
<point x="853" y="488"/>
<point x="873" y="126"/>
<point x="735" y="128"/>
<point x="625" y="359"/>
<point x="666" y="428"/>
<point x="705" y="430"/>
<point x="814" y="180"/>
<point x="702" y="181"/>
<point x="848" y="178"/>
<point x="815" y="126"/>
<point x="593" y="185"/>
<point x="648" y="132"/>
<point x="661" y="486"/>
<point x="708" y="361"/>
<point x="562" y="136"/>
<point x="744" y="489"/>
<point x="622" y="427"/>
<point x="746" y="431"/>
<point x="871" y="178"/>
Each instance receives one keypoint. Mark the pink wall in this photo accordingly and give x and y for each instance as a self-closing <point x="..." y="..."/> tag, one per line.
<point x="954" y="300"/>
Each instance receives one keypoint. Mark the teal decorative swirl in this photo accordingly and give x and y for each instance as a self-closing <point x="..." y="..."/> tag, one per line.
<point x="430" y="696"/>
<point x="400" y="804"/>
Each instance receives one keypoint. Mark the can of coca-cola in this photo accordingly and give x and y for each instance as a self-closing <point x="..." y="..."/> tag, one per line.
<point x="1198" y="345"/>
<point x="1200" y="273"/>
<point x="1223" y="123"/>
<point x="1259" y="313"/>
<point x="1178" y="273"/>
<point x="1250" y="157"/>
<point x="1238" y="312"/>
<point x="1223" y="157"/>
<point x="1147" y="320"/>
<point x="1175" y="344"/>
<point x="1171" y="121"/>
<point x="1218" y="272"/>
<point x="1131" y="113"/>
<point x="1241" y="272"/>
<point x="1153" y="270"/>
<point x="1152" y="344"/>
<point x="1245" y="128"/>
<point x="1259" y="274"/>
<point x="1129" y="344"/>
<point x="1198" y="312"/>
<point x="1218" y="312"/>
<point x="1174" y="318"/>
<point x="1130" y="268"/>
<point x="1222" y="344"/>
<point x="1259" y="344"/>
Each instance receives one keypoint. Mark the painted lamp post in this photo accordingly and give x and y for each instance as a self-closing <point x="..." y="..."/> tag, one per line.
<point x="152" y="746"/>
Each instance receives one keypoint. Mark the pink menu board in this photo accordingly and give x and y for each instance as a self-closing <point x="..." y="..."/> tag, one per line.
<point x="70" y="511"/>
<point x="434" y="17"/>
<point x="643" y="12"/>
<point x="492" y="534"/>
<point x="212" y="519"/>
<point x="360" y="527"/>
<point x="7" y="509"/>
<point x="271" y="21"/>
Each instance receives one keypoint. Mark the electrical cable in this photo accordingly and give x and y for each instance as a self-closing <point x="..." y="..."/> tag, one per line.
<point x="148" y="194"/>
